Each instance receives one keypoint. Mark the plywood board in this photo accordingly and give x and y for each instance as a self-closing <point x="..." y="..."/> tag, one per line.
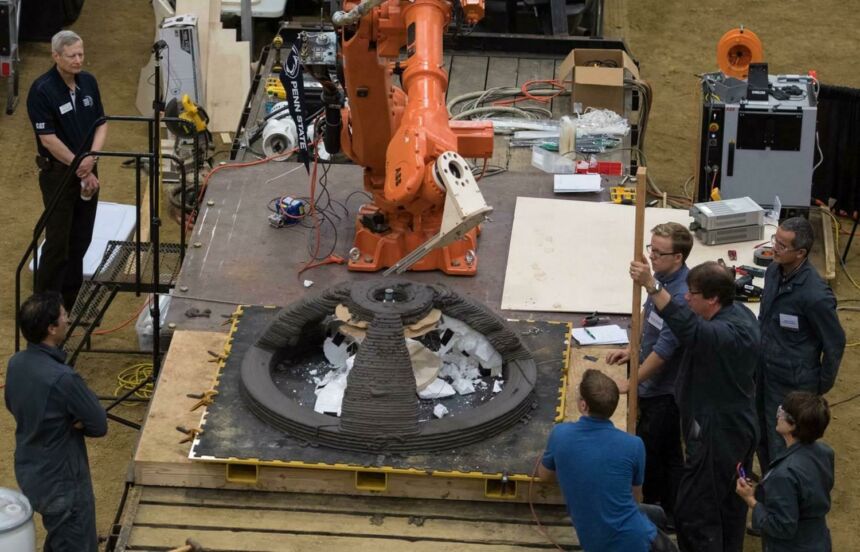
<point x="228" y="80"/>
<point x="573" y="256"/>
<point x="578" y="365"/>
<point x="186" y="369"/>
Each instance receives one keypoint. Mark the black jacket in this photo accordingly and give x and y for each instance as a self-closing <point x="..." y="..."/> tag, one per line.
<point x="794" y="498"/>
<point x="802" y="339"/>
<point x="719" y="361"/>
<point x="47" y="398"/>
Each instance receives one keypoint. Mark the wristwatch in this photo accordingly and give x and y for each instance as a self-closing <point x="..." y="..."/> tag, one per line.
<point x="655" y="288"/>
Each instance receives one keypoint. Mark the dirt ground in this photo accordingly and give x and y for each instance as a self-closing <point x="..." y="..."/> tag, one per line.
<point x="673" y="39"/>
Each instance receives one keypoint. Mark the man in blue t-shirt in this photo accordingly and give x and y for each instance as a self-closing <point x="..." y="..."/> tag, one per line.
<point x="599" y="469"/>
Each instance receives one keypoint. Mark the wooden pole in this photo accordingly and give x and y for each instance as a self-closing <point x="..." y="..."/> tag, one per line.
<point x="636" y="317"/>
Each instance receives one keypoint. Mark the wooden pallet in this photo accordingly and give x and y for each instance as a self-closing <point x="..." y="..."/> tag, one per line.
<point x="162" y="518"/>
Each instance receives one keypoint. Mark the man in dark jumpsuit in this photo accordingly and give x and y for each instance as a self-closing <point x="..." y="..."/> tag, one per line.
<point x="802" y="340"/>
<point x="715" y="393"/>
<point x="63" y="105"/>
<point x="54" y="410"/>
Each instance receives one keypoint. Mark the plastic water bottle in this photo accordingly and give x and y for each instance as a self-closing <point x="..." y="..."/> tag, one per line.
<point x="84" y="195"/>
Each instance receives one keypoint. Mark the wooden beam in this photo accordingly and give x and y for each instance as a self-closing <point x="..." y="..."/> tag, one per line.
<point x="636" y="316"/>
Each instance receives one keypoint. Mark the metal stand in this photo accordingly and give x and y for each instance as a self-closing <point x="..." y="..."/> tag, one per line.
<point x="154" y="204"/>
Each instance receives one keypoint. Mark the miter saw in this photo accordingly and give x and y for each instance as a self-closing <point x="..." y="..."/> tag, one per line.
<point x="192" y="126"/>
<point x="426" y="205"/>
<point x="192" y="141"/>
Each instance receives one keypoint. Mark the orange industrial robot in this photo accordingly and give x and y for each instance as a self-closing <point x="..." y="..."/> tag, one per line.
<point x="426" y="206"/>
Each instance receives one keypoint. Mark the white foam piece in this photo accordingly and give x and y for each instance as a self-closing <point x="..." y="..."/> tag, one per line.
<point x="439" y="410"/>
<point x="467" y="340"/>
<point x="464" y="387"/>
<point x="336" y="354"/>
<point x="438" y="389"/>
<point x="497" y="386"/>
<point x="330" y="397"/>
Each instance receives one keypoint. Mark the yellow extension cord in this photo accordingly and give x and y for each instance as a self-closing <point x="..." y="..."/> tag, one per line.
<point x="133" y="376"/>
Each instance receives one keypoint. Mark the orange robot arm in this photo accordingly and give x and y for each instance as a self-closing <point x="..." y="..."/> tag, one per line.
<point x="398" y="134"/>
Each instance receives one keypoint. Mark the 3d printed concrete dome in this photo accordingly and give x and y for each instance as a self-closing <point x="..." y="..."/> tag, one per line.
<point x="380" y="411"/>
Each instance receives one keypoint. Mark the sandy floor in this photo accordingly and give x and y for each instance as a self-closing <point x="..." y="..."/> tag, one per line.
<point x="673" y="39"/>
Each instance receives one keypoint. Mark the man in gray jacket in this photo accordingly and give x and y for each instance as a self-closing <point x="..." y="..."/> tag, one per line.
<point x="802" y="340"/>
<point x="54" y="410"/>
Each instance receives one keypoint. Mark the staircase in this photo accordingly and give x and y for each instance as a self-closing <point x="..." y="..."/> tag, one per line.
<point x="125" y="267"/>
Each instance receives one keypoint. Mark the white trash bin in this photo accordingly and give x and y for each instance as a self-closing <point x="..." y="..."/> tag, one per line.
<point x="17" y="532"/>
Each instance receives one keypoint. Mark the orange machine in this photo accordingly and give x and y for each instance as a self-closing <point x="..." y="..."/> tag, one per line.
<point x="398" y="134"/>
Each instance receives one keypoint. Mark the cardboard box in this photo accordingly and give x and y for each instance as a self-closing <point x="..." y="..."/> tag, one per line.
<point x="597" y="78"/>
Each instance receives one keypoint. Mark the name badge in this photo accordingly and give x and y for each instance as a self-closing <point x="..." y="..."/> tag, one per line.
<point x="65" y="108"/>
<point x="789" y="322"/>
<point x="655" y="320"/>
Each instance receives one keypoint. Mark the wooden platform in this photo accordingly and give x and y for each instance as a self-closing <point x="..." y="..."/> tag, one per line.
<point x="162" y="518"/>
<point x="161" y="460"/>
<point x="309" y="509"/>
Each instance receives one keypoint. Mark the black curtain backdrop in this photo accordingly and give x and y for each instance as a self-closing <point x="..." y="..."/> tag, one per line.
<point x="838" y="177"/>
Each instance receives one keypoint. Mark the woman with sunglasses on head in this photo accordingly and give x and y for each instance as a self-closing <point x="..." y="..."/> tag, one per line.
<point x="790" y="504"/>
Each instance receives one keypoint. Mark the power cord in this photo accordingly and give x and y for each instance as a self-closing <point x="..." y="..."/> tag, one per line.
<point x="133" y="376"/>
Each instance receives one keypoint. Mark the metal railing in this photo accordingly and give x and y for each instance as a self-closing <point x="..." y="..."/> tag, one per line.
<point x="154" y="156"/>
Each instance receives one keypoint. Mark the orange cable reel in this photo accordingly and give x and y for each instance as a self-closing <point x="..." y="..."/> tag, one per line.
<point x="736" y="50"/>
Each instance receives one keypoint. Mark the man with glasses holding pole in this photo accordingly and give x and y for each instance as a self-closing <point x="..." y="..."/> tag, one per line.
<point x="659" y="357"/>
<point x="802" y="340"/>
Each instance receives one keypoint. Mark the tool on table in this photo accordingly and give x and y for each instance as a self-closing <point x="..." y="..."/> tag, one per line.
<point x="753" y="270"/>
<point x="190" y="433"/>
<point x="194" y="312"/>
<point x="624" y="195"/>
<point x="190" y="545"/>
<point x="205" y="398"/>
<point x="215" y="357"/>
<point x="763" y="256"/>
<point x="288" y="211"/>
<point x="277" y="44"/>
<point x="593" y="320"/>
<point x="746" y="291"/>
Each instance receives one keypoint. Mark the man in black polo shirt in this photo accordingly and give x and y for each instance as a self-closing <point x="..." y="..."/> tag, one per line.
<point x="63" y="105"/>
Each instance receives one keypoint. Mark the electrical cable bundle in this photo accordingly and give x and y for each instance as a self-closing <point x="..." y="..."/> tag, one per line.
<point x="501" y="101"/>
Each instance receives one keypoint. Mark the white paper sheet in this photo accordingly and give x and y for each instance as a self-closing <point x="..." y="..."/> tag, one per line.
<point x="601" y="335"/>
